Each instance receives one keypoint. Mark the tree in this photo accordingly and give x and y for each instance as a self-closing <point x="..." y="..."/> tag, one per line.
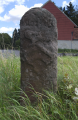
<point x="16" y="38"/>
<point x="76" y="15"/>
<point x="17" y="43"/>
<point x="18" y="34"/>
<point x="5" y="41"/>
<point x="70" y="11"/>
<point x="62" y="9"/>
<point x="1" y="41"/>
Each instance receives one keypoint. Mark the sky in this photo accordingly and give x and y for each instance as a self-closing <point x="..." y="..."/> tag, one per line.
<point x="11" y="11"/>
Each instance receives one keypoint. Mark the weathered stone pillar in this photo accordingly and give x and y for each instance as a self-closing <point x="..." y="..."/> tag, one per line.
<point x="38" y="52"/>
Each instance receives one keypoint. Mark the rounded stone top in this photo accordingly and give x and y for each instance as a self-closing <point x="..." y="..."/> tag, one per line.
<point x="38" y="14"/>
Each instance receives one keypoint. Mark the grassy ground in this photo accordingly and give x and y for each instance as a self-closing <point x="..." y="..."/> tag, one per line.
<point x="67" y="51"/>
<point x="60" y="106"/>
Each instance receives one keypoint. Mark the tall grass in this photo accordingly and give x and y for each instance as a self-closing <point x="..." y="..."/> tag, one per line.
<point x="59" y="106"/>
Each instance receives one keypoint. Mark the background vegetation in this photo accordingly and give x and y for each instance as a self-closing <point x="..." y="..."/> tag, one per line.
<point x="71" y="11"/>
<point x="16" y="38"/>
<point x="14" y="43"/>
<point x="5" y="41"/>
<point x="67" y="51"/>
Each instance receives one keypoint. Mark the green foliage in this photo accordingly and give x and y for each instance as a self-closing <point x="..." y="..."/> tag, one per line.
<point x="71" y="11"/>
<point x="17" y="43"/>
<point x="16" y="38"/>
<point x="67" y="50"/>
<point x="59" y="106"/>
<point x="76" y="15"/>
<point x="5" y="41"/>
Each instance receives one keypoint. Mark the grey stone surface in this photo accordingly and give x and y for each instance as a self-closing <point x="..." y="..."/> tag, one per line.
<point x="38" y="53"/>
